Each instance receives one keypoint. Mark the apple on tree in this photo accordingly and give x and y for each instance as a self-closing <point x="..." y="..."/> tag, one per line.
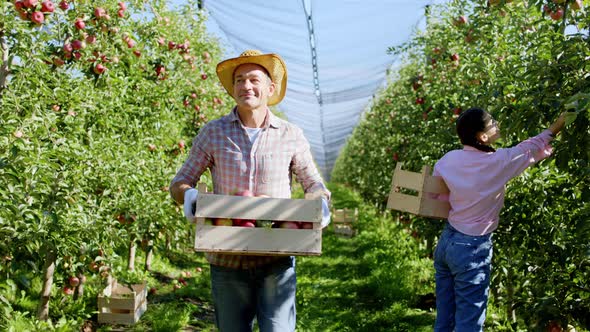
<point x="68" y="290"/>
<point x="74" y="281"/>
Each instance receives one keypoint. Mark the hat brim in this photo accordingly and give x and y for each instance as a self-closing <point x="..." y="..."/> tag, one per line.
<point x="271" y="62"/>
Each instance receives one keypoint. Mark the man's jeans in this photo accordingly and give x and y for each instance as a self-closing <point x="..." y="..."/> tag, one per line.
<point x="267" y="293"/>
<point x="463" y="264"/>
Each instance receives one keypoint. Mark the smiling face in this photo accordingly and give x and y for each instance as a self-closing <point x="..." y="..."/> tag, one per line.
<point x="252" y="87"/>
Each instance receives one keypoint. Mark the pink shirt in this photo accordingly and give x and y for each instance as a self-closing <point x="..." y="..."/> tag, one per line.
<point x="477" y="180"/>
<point x="263" y="166"/>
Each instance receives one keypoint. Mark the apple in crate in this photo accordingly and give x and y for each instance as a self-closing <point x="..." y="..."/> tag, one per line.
<point x="306" y="225"/>
<point x="223" y="222"/>
<point x="245" y="222"/>
<point x="286" y="224"/>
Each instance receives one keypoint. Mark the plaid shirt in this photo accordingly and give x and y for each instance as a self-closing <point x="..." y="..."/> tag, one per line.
<point x="264" y="167"/>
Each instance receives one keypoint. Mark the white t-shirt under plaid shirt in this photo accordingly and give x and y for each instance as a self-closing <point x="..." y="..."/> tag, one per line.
<point x="264" y="166"/>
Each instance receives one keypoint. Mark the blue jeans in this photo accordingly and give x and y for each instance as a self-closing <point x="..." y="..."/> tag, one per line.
<point x="463" y="264"/>
<point x="266" y="292"/>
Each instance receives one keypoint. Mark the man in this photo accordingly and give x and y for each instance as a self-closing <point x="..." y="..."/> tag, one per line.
<point x="251" y="149"/>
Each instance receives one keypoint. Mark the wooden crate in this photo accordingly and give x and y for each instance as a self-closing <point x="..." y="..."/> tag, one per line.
<point x="120" y="304"/>
<point x="343" y="220"/>
<point x="424" y="184"/>
<point x="259" y="240"/>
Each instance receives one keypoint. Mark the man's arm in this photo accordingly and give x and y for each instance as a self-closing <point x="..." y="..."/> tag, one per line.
<point x="177" y="191"/>
<point x="306" y="171"/>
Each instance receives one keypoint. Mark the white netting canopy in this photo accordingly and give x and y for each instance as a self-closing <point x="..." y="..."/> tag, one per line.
<point x="335" y="51"/>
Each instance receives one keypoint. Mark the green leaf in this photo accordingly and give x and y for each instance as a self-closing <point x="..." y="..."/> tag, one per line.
<point x="570" y="117"/>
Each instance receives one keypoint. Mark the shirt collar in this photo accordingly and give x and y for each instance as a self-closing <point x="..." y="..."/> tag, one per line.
<point x="471" y="148"/>
<point x="270" y="120"/>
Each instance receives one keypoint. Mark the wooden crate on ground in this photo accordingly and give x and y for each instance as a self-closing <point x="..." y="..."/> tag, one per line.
<point x="121" y="304"/>
<point x="258" y="240"/>
<point x="422" y="204"/>
<point x="343" y="221"/>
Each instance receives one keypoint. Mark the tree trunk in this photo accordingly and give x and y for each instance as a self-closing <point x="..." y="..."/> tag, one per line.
<point x="48" y="270"/>
<point x="5" y="63"/>
<point x="149" y="255"/>
<point x="131" y="256"/>
<point x="510" y="295"/>
<point x="79" y="294"/>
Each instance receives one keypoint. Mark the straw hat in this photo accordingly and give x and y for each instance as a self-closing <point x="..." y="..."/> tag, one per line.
<point x="271" y="62"/>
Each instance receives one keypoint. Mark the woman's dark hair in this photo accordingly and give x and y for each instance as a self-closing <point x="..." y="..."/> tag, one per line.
<point x="470" y="123"/>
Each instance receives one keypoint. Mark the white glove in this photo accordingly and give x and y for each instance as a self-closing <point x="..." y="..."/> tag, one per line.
<point x="190" y="201"/>
<point x="325" y="213"/>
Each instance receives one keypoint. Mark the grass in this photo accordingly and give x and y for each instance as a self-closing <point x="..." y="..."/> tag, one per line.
<point x="379" y="280"/>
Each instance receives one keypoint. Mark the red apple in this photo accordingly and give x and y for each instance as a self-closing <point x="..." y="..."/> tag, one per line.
<point x="91" y="39"/>
<point x="455" y="57"/>
<point x="306" y="225"/>
<point x="557" y="15"/>
<point x="78" y="45"/>
<point x="64" y="5"/>
<point x="247" y="223"/>
<point x="181" y="144"/>
<point x="289" y="225"/>
<point x="171" y="45"/>
<point x="203" y="76"/>
<point x="74" y="281"/>
<point x="160" y="70"/>
<point x="121" y="13"/>
<point x="100" y="12"/>
<point x="79" y="24"/>
<point x="99" y="69"/>
<point x="68" y="291"/>
<point x="58" y="62"/>
<point x="47" y="7"/>
<point x="19" y="5"/>
<point x="37" y="17"/>
<point x="30" y="3"/>
<point x="93" y="266"/>
<point x="419" y="100"/>
<point x="395" y="156"/>
<point x="121" y="218"/>
<point x="153" y="290"/>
